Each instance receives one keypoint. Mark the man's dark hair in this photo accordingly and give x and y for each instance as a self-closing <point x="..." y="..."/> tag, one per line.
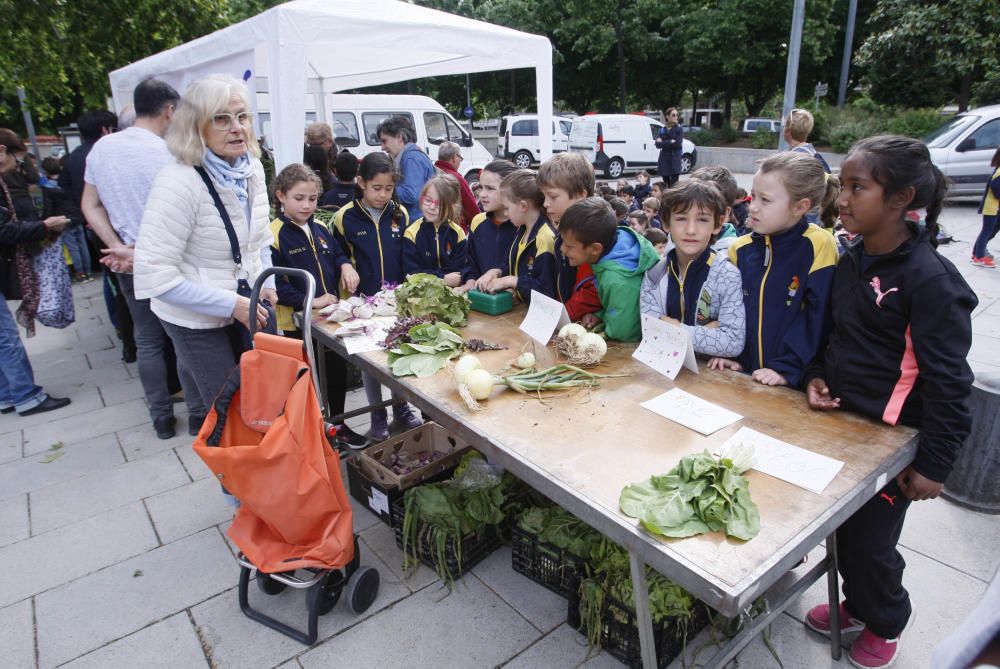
<point x="346" y="166"/>
<point x="92" y="124"/>
<point x="397" y="126"/>
<point x="591" y="221"/>
<point x="151" y="96"/>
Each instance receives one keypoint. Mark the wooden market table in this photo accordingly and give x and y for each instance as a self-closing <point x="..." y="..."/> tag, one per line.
<point x="580" y="451"/>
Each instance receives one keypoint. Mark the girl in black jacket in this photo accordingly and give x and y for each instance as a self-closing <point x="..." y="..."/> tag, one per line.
<point x="902" y="331"/>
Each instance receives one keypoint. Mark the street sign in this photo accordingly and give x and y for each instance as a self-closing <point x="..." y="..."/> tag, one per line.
<point x="822" y="89"/>
<point x="469" y="112"/>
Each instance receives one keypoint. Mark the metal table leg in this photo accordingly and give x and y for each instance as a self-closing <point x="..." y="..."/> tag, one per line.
<point x="833" y="586"/>
<point x="643" y="614"/>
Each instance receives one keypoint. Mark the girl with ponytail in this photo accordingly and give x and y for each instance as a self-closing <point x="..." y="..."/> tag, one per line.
<point x="902" y="330"/>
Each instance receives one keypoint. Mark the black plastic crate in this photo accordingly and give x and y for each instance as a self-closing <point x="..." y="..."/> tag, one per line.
<point x="474" y="547"/>
<point x="555" y="568"/>
<point x="620" y="633"/>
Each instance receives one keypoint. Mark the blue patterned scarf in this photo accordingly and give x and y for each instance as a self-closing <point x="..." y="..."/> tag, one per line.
<point x="233" y="177"/>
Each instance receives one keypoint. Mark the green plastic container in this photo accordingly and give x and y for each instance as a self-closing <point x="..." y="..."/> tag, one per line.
<point x="494" y="305"/>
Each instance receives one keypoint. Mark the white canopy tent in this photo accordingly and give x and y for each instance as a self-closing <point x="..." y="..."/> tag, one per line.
<point x="323" y="46"/>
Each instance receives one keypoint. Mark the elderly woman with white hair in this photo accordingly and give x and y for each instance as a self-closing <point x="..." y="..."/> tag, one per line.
<point x="205" y="235"/>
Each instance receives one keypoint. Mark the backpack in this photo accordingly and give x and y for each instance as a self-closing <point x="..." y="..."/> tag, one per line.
<point x="808" y="148"/>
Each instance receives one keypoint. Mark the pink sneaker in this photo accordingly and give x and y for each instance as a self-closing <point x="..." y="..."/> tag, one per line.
<point x="870" y="651"/>
<point x="818" y="620"/>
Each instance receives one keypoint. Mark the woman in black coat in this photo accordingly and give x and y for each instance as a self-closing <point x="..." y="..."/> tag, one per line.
<point x="670" y="142"/>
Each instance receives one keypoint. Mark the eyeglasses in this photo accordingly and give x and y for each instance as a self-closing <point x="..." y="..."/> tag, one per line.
<point x="431" y="202"/>
<point x="225" y="121"/>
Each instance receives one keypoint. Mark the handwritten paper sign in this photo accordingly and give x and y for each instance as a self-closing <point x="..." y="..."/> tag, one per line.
<point x="691" y="412"/>
<point x="779" y="459"/>
<point x="545" y="316"/>
<point x="665" y="347"/>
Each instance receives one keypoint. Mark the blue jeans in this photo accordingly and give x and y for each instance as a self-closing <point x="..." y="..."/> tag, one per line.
<point x="991" y="224"/>
<point x="17" y="381"/>
<point x="75" y="239"/>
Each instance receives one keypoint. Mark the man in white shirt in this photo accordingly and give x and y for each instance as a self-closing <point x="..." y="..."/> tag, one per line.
<point x="120" y="172"/>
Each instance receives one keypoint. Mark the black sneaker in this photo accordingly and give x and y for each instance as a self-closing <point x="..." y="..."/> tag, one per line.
<point x="194" y="425"/>
<point x="349" y="438"/>
<point x="50" y="404"/>
<point x="165" y="427"/>
<point x="129" y="353"/>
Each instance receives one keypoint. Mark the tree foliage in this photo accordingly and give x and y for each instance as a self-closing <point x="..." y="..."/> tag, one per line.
<point x="921" y="54"/>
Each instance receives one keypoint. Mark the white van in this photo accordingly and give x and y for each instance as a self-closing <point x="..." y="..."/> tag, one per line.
<point x="355" y="118"/>
<point x="619" y="143"/>
<point x="517" y="138"/>
<point x="963" y="147"/>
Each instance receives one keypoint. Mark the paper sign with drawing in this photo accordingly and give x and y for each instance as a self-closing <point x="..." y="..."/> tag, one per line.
<point x="665" y="347"/>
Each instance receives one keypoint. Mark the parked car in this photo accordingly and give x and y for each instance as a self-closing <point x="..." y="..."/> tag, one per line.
<point x="619" y="143"/>
<point x="963" y="147"/>
<point x="517" y="138"/>
<point x="752" y="125"/>
<point x="355" y="119"/>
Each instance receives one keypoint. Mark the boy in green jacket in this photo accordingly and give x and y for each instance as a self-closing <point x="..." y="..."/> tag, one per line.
<point x="619" y="257"/>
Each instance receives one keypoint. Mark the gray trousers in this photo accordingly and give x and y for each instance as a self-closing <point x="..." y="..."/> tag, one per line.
<point x="210" y="356"/>
<point x="150" y="339"/>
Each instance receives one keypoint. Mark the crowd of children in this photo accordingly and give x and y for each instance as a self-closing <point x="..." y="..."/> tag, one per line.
<point x="879" y="323"/>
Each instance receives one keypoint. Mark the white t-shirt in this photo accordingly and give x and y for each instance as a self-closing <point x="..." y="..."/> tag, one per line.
<point x="122" y="167"/>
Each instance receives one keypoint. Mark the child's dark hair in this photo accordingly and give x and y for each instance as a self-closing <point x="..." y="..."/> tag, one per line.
<point x="370" y="167"/>
<point x="741" y="194"/>
<point x="655" y="236"/>
<point x="522" y="185"/>
<point x="52" y="165"/>
<point x="640" y="217"/>
<point x="829" y="212"/>
<point x="607" y="192"/>
<point x="591" y="221"/>
<point x="691" y="193"/>
<point x="627" y="190"/>
<point x="317" y="158"/>
<point x="897" y="163"/>
<point x="652" y="202"/>
<point x="996" y="159"/>
<point x="619" y="206"/>
<point x="501" y="168"/>
<point x="657" y="186"/>
<point x="346" y="166"/>
<point x="721" y="177"/>
<point x="293" y="174"/>
<point x="642" y="173"/>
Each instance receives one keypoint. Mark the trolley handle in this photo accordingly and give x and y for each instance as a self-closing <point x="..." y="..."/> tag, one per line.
<point x="306" y="310"/>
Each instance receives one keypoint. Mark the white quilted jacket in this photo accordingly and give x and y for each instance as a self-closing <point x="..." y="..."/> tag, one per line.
<point x="182" y="236"/>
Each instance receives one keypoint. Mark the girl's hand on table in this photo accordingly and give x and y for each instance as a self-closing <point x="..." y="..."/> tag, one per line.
<point x="724" y="363"/>
<point x="483" y="283"/>
<point x="769" y="377"/>
<point x="590" y="321"/>
<point x="465" y="287"/>
<point x="668" y="319"/>
<point x="349" y="278"/>
<point x="453" y="280"/>
<point x="502" y="283"/>
<point x="818" y="394"/>
<point x="325" y="301"/>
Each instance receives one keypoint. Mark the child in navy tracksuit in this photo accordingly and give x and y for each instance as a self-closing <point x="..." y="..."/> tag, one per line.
<point x="370" y="229"/>
<point x="787" y="271"/>
<point x="901" y="333"/>
<point x="436" y="244"/>
<point x="531" y="259"/>
<point x="490" y="233"/>
<point x="301" y="243"/>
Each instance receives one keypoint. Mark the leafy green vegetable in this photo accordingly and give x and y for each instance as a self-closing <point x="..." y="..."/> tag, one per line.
<point x="556" y="526"/>
<point x="431" y="345"/>
<point x="701" y="494"/>
<point x="427" y="295"/>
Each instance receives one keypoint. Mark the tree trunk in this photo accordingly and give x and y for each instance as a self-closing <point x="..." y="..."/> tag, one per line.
<point x="727" y="111"/>
<point x="620" y="39"/>
<point x="513" y="88"/>
<point x="964" y="93"/>
<point x="694" y="107"/>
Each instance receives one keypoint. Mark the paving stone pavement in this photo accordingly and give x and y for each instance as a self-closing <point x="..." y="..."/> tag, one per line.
<point x="113" y="550"/>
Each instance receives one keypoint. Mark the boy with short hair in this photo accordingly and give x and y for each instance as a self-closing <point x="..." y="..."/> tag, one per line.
<point x="566" y="178"/>
<point x="621" y="210"/>
<point x="658" y="238"/>
<point x="342" y="192"/>
<point x="796" y="128"/>
<point x="651" y="207"/>
<point x="726" y="183"/>
<point x="619" y="258"/>
<point x="694" y="286"/>
<point x="658" y="190"/>
<point x="627" y="193"/>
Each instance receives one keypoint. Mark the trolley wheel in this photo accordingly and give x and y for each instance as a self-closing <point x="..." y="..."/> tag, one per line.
<point x="268" y="585"/>
<point x="362" y="589"/>
<point x="325" y="594"/>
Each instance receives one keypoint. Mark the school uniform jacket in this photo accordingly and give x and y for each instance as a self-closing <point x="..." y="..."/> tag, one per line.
<point x="902" y="329"/>
<point x="431" y="250"/>
<point x="787" y="280"/>
<point x="488" y="247"/>
<point x="375" y="247"/>
<point x="989" y="205"/>
<point x="711" y="290"/>
<point x="319" y="254"/>
<point x="532" y="260"/>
